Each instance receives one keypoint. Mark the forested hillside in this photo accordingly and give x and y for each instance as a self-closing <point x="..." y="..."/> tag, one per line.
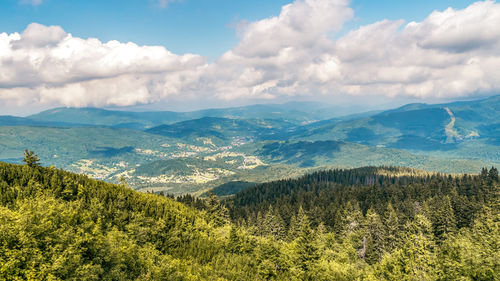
<point x="192" y="152"/>
<point x="394" y="223"/>
<point x="56" y="225"/>
<point x="367" y="224"/>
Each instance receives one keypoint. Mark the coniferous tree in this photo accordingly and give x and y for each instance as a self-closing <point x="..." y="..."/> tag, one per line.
<point x="56" y="225"/>
<point x="31" y="159"/>
<point x="306" y="249"/>
<point x="444" y="218"/>
<point x="353" y="218"/>
<point x="414" y="260"/>
<point x="273" y="224"/>
<point x="123" y="181"/>
<point x="234" y="244"/>
<point x="219" y="212"/>
<point x="392" y="232"/>
<point x="293" y="228"/>
<point x="374" y="234"/>
<point x="320" y="235"/>
<point x="474" y="253"/>
<point x="493" y="174"/>
<point x="269" y="260"/>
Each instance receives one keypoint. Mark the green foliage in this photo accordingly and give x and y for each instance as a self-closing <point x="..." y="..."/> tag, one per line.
<point x="474" y="253"/>
<point x="306" y="249"/>
<point x="56" y="225"/>
<point x="443" y="217"/>
<point x="374" y="246"/>
<point x="31" y="159"/>
<point x="232" y="187"/>
<point x="273" y="225"/>
<point x="218" y="212"/>
<point x="384" y="223"/>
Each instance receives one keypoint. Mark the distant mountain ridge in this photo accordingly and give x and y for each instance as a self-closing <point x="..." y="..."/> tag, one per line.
<point x="7" y="120"/>
<point x="293" y="112"/>
<point x="194" y="151"/>
<point x="417" y="126"/>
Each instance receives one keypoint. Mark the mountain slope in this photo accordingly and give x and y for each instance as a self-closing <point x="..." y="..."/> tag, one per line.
<point x="6" y="120"/>
<point x="306" y="154"/>
<point x="424" y="127"/>
<point x="224" y="130"/>
<point x="102" y="117"/>
<point x="60" y="226"/>
<point x="292" y="112"/>
<point x="331" y="225"/>
<point x="197" y="154"/>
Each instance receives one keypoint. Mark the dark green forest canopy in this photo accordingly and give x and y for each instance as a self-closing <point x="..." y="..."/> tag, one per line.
<point x="327" y="195"/>
<point x="366" y="224"/>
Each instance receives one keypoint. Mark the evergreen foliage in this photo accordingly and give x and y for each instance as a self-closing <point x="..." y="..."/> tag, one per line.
<point x="31" y="159"/>
<point x="361" y="224"/>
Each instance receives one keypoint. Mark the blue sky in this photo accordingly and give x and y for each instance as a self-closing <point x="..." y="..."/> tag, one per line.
<point x="192" y="54"/>
<point x="205" y="27"/>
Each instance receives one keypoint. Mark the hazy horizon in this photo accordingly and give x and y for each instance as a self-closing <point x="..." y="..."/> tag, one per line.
<point x="157" y="107"/>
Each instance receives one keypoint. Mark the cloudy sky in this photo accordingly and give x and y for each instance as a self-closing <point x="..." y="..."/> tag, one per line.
<point x="189" y="54"/>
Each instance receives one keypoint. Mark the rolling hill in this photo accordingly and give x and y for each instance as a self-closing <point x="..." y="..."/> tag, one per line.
<point x="162" y="151"/>
<point x="418" y="127"/>
<point x="225" y="130"/>
<point x="294" y="112"/>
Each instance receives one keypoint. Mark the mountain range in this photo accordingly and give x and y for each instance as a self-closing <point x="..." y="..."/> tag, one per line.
<point x="195" y="151"/>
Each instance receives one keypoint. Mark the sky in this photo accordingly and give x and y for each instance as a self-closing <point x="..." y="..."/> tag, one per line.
<point x="191" y="54"/>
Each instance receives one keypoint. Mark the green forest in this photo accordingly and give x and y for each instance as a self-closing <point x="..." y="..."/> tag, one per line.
<point x="372" y="223"/>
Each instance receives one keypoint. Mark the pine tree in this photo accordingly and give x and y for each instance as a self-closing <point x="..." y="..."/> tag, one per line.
<point x="320" y="235"/>
<point x="374" y="237"/>
<point x="234" y="242"/>
<point x="353" y="217"/>
<point x="31" y="159"/>
<point x="273" y="224"/>
<point x="444" y="218"/>
<point x="493" y="174"/>
<point x="123" y="181"/>
<point x="296" y="224"/>
<point x="391" y="224"/>
<point x="293" y="228"/>
<point x="268" y="257"/>
<point x="307" y="251"/>
<point x="219" y="212"/>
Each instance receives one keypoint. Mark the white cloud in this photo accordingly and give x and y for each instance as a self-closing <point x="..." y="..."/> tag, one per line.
<point x="452" y="53"/>
<point x="449" y="54"/>
<point x="73" y="71"/>
<point x="475" y="27"/>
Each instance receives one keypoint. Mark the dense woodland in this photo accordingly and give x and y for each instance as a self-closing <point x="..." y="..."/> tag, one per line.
<point x="360" y="224"/>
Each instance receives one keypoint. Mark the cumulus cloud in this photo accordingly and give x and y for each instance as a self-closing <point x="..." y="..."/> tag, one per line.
<point x="78" y="72"/>
<point x="451" y="53"/>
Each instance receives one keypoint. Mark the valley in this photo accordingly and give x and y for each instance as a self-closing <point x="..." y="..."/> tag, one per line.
<point x="170" y="152"/>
